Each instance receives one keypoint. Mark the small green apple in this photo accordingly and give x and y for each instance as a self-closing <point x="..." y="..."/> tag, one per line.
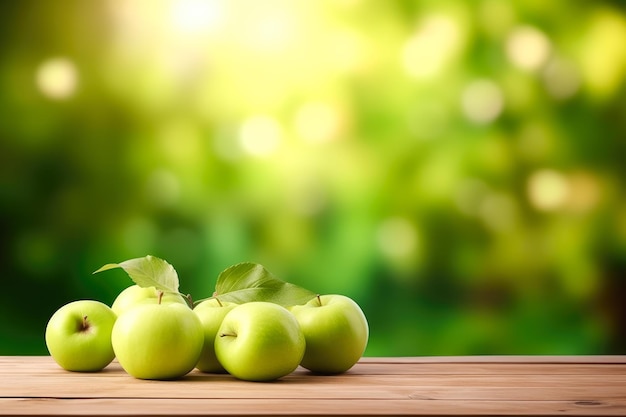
<point x="211" y="313"/>
<point x="158" y="341"/>
<point x="78" y="336"/>
<point x="336" y="333"/>
<point x="259" y="341"/>
<point x="135" y="295"/>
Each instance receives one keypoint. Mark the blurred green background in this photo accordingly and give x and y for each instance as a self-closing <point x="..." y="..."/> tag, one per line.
<point x="456" y="167"/>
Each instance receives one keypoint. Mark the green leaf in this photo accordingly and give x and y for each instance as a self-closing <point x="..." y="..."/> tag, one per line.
<point x="248" y="281"/>
<point x="148" y="271"/>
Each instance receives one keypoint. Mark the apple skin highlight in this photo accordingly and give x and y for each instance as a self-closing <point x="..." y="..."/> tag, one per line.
<point x="259" y="341"/>
<point x="336" y="333"/>
<point x="78" y="336"/>
<point x="135" y="295"/>
<point x="158" y="341"/>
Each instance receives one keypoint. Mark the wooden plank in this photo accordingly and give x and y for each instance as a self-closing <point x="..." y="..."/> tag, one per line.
<point x="40" y="365"/>
<point x="264" y="407"/>
<point x="375" y="386"/>
<point x="489" y="369"/>
<point x="297" y="385"/>
<point x="301" y="384"/>
<point x="237" y="390"/>
<point x="387" y="366"/>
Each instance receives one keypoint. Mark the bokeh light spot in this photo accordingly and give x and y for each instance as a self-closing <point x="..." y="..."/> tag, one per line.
<point x="482" y="101"/>
<point x="431" y="47"/>
<point x="561" y="78"/>
<point x="57" y="78"/>
<point x="602" y="55"/>
<point x="195" y="16"/>
<point x="260" y="136"/>
<point x="548" y="190"/>
<point x="397" y="238"/>
<point x="528" y="48"/>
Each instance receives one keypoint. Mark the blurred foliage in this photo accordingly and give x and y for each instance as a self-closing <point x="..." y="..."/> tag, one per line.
<point x="457" y="168"/>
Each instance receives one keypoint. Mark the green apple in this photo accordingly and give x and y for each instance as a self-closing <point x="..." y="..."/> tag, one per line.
<point x="259" y="341"/>
<point x="135" y="295"/>
<point x="336" y="333"/>
<point x="78" y="336"/>
<point x="211" y="313"/>
<point x="158" y="341"/>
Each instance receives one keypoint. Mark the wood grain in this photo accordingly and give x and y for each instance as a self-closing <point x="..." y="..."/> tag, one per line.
<point x="481" y="385"/>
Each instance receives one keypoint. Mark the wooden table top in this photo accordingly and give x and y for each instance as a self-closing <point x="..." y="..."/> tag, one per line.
<point x="475" y="385"/>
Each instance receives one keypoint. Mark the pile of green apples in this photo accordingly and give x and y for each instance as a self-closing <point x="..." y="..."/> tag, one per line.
<point x="254" y="327"/>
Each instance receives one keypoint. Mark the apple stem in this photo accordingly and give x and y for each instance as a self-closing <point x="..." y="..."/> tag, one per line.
<point x="319" y="300"/>
<point x="219" y="302"/>
<point x="227" y="334"/>
<point x="160" y="296"/>
<point x="189" y="300"/>
<point x="85" y="324"/>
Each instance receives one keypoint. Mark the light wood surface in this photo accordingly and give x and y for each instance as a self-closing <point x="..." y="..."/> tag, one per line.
<point x="476" y="385"/>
